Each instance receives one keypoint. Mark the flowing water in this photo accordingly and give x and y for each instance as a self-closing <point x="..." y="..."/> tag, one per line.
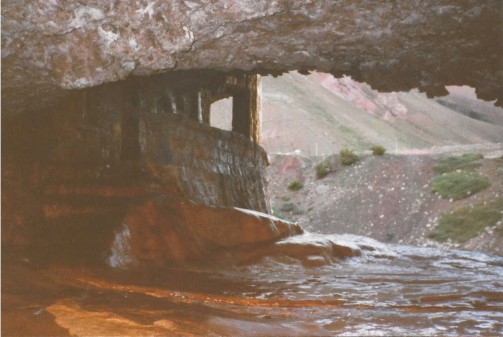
<point x="389" y="290"/>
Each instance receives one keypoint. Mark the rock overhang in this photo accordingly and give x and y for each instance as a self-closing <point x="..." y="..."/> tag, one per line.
<point x="49" y="47"/>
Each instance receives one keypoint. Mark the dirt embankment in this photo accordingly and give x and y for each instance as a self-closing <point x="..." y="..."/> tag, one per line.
<point x="388" y="198"/>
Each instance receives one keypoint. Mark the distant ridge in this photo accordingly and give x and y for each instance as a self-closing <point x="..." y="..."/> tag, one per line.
<point x="318" y="114"/>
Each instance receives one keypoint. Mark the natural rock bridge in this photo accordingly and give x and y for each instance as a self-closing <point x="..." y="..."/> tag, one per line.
<point x="49" y="46"/>
<point x="102" y="150"/>
<point x="109" y="162"/>
<point x="106" y="105"/>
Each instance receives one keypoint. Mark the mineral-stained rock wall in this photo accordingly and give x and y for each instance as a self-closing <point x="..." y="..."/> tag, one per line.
<point x="214" y="167"/>
<point x="70" y="173"/>
<point x="176" y="231"/>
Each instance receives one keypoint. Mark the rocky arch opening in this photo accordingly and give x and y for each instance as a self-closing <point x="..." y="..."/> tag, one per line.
<point x="315" y="114"/>
<point x="221" y="113"/>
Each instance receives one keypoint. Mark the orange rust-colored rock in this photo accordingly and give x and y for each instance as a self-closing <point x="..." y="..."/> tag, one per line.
<point x="166" y="231"/>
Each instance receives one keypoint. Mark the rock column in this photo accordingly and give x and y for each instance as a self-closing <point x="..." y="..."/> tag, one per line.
<point x="193" y="105"/>
<point x="246" y="112"/>
<point x="206" y="105"/>
<point x="255" y="107"/>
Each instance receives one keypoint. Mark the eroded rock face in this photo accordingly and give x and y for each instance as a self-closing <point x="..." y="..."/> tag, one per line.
<point x="48" y="46"/>
<point x="177" y="231"/>
<point x="71" y="173"/>
<point x="168" y="231"/>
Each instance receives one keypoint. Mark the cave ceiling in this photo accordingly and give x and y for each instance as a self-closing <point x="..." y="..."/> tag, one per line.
<point x="51" y="46"/>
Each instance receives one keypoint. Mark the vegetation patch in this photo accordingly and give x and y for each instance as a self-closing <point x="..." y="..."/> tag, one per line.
<point x="457" y="185"/>
<point x="290" y="207"/>
<point x="378" y="150"/>
<point x="466" y="162"/>
<point x="322" y="169"/>
<point x="295" y="185"/>
<point x="348" y="157"/>
<point x="467" y="222"/>
<point x="278" y="214"/>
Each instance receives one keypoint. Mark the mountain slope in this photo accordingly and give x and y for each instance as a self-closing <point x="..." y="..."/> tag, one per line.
<point x="319" y="114"/>
<point x="464" y="100"/>
<point x="388" y="198"/>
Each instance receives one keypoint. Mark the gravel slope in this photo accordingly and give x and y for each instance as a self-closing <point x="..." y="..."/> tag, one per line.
<point x="387" y="198"/>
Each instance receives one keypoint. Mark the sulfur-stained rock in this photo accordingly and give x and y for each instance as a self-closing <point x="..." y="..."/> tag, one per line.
<point x="177" y="231"/>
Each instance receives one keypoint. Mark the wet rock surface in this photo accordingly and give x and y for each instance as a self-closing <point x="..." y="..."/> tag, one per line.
<point x="50" y="46"/>
<point x="170" y="231"/>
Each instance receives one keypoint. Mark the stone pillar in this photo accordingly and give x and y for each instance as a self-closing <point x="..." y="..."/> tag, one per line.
<point x="206" y="106"/>
<point x="172" y="101"/>
<point x="256" y="107"/>
<point x="189" y="104"/>
<point x="246" y="109"/>
<point x="195" y="110"/>
<point x="179" y="103"/>
<point x="241" y="113"/>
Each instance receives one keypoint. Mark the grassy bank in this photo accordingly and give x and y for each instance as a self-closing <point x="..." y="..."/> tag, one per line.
<point x="467" y="222"/>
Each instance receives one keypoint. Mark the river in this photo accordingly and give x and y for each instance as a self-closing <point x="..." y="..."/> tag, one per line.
<point x="389" y="290"/>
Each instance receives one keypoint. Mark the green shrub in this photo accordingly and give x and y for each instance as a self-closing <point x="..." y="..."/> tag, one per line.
<point x="378" y="150"/>
<point x="290" y="207"/>
<point x="295" y="185"/>
<point x="348" y="157"/>
<point x="467" y="222"/>
<point x="467" y="162"/>
<point x="322" y="169"/>
<point x="457" y="186"/>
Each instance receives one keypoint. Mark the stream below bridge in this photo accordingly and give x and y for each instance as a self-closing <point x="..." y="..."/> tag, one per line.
<point x="389" y="290"/>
